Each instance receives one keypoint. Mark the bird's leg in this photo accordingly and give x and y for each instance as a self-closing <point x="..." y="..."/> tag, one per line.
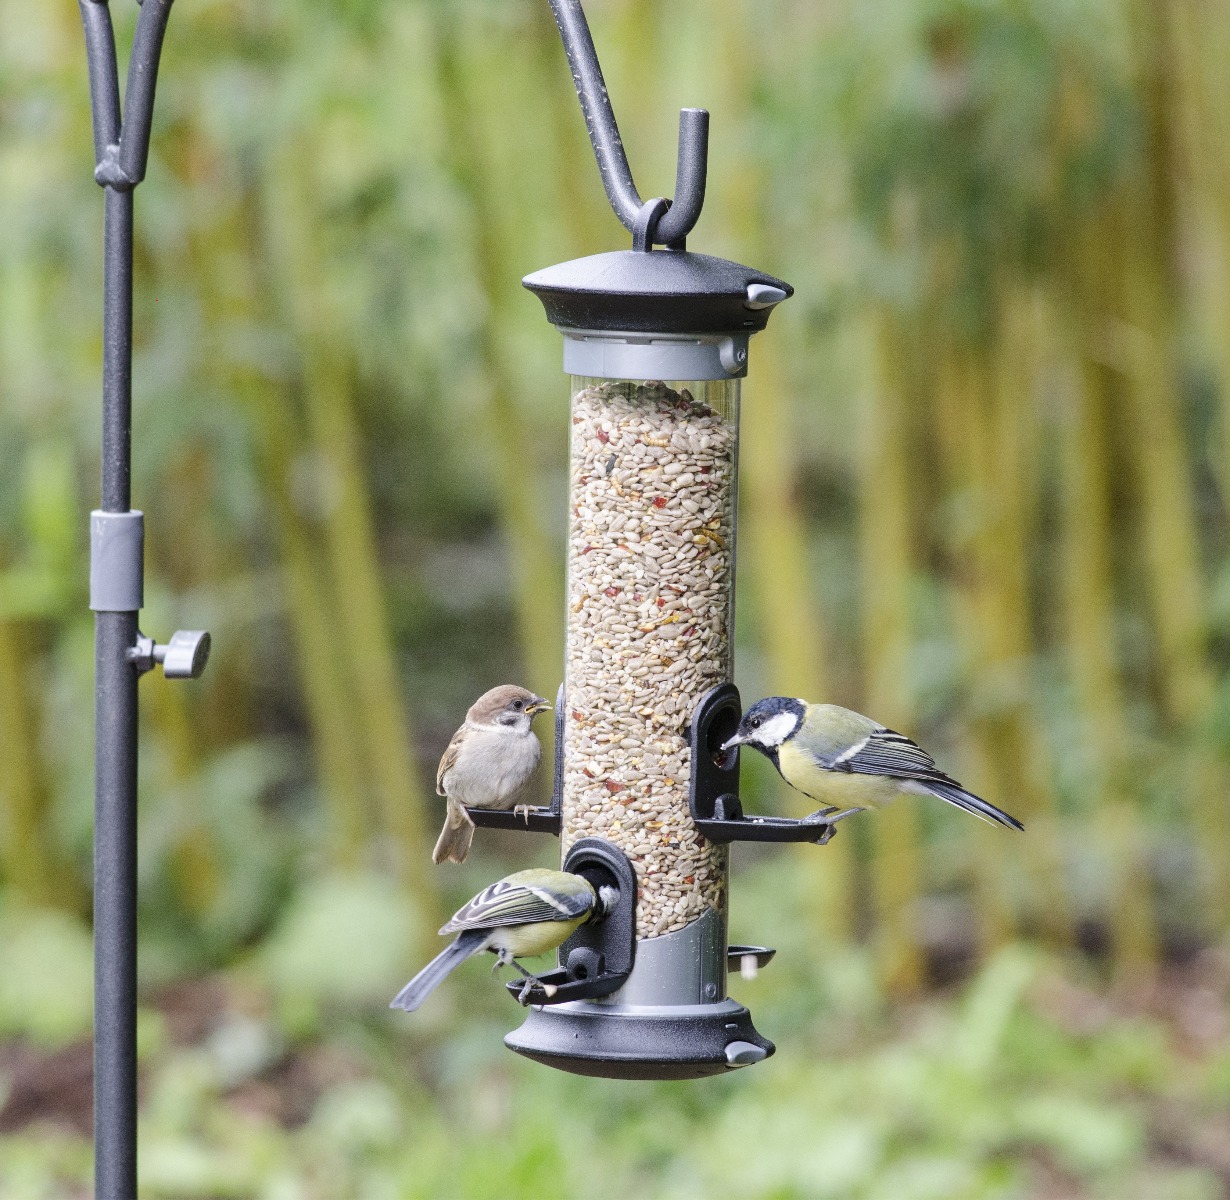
<point x="821" y="814"/>
<point x="849" y="812"/>
<point x="523" y="811"/>
<point x="531" y="981"/>
<point x="829" y="817"/>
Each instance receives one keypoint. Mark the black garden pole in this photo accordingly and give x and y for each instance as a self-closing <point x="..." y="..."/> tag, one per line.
<point x="121" y="653"/>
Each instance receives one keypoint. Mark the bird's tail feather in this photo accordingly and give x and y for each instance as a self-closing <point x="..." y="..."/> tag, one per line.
<point x="432" y="975"/>
<point x="456" y="836"/>
<point x="955" y="794"/>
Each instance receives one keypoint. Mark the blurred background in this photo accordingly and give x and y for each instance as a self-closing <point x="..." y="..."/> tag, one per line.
<point x="985" y="473"/>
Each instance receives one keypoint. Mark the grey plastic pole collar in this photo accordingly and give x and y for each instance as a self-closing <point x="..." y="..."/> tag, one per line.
<point x="117" y="561"/>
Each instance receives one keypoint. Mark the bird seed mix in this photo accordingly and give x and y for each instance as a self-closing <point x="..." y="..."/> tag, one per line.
<point x="650" y="591"/>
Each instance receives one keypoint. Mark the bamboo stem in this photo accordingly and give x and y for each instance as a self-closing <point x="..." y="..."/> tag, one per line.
<point x="986" y="468"/>
<point x="27" y="859"/>
<point x="774" y="543"/>
<point x="331" y="710"/>
<point x="534" y="564"/>
<point x="888" y="563"/>
<point x="368" y="659"/>
<point x="1089" y="609"/>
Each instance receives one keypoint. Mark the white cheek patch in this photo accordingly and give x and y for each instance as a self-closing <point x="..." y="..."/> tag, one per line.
<point x="777" y="729"/>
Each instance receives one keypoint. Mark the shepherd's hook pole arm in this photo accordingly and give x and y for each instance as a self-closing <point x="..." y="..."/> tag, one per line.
<point x="121" y="149"/>
<point x="674" y="226"/>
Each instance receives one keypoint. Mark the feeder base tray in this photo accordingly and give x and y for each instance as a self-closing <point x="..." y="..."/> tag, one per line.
<point x="615" y="1041"/>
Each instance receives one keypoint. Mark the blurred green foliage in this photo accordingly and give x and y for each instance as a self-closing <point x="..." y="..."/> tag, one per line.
<point x="985" y="465"/>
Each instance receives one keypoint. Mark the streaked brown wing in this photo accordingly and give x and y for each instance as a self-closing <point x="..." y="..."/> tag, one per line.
<point x="449" y="760"/>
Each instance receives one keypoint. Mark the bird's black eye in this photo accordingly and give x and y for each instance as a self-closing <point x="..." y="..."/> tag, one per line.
<point x="754" y="722"/>
<point x="518" y="705"/>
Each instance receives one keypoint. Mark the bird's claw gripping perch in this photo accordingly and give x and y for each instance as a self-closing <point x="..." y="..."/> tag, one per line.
<point x="532" y="982"/>
<point x="830" y="817"/>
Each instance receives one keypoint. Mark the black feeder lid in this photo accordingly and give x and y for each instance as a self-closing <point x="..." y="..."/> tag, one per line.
<point x="657" y="291"/>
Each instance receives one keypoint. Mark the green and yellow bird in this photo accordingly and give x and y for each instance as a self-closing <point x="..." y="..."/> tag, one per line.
<point x="520" y="916"/>
<point x="847" y="761"/>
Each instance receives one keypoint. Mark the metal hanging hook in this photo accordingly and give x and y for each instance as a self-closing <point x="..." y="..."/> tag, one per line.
<point x="121" y="148"/>
<point x="672" y="226"/>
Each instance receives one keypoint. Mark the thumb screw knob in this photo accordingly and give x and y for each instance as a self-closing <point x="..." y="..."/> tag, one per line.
<point x="185" y="655"/>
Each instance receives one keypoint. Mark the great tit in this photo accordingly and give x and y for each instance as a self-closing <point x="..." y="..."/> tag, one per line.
<point x="487" y="764"/>
<point x="522" y="915"/>
<point x="847" y="761"/>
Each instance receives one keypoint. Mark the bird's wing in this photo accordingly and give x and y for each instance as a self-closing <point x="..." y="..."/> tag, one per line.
<point x="506" y="903"/>
<point x="449" y="760"/>
<point x="884" y="752"/>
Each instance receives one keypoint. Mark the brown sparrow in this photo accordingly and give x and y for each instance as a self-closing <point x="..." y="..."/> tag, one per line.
<point x="487" y="764"/>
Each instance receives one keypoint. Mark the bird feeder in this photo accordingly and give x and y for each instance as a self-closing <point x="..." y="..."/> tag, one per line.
<point x="656" y="346"/>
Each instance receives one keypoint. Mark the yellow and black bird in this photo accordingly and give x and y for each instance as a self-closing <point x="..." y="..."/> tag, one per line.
<point x="520" y="916"/>
<point x="849" y="762"/>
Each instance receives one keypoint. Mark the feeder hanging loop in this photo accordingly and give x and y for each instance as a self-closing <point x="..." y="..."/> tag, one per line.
<point x="692" y="165"/>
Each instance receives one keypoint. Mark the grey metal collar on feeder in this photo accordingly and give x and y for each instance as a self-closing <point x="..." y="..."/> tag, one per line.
<point x="656" y="342"/>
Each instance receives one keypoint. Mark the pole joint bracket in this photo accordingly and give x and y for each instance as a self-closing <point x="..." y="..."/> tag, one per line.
<point x="110" y="171"/>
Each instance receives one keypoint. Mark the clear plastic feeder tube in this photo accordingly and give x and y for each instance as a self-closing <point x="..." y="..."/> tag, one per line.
<point x="650" y="628"/>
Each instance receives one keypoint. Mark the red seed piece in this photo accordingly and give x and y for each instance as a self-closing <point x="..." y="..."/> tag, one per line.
<point x="613" y="787"/>
<point x="659" y="502"/>
<point x="603" y="436"/>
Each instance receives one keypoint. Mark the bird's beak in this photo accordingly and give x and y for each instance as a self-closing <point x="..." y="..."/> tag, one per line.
<point x="734" y="741"/>
<point x="537" y="705"/>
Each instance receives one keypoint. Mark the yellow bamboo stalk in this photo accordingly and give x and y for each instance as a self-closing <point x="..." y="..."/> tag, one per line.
<point x="1149" y="349"/>
<point x="327" y="689"/>
<point x="1089" y="618"/>
<point x="1153" y="416"/>
<point x="1175" y="577"/>
<point x="988" y="467"/>
<point x="1198" y="34"/>
<point x="887" y="499"/>
<point x="580" y="211"/>
<point x="197" y="871"/>
<point x="27" y="859"/>
<point x="331" y="710"/>
<point x="535" y="564"/>
<point x="773" y="549"/>
<point x="960" y="407"/>
<point x="362" y="634"/>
